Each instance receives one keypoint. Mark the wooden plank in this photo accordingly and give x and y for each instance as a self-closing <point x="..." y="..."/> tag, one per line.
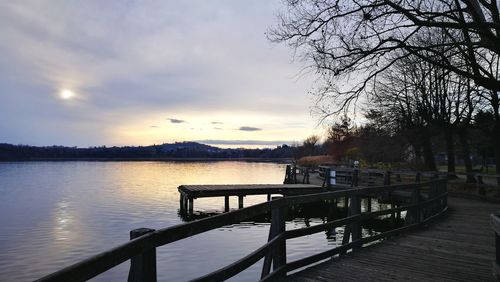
<point x="456" y="248"/>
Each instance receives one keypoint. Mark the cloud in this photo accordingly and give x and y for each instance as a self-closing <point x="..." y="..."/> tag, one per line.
<point x="174" y="120"/>
<point x="154" y="126"/>
<point x="217" y="128"/>
<point x="249" y="128"/>
<point x="184" y="59"/>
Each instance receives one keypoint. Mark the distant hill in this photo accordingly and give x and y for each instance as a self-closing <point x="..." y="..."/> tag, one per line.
<point x="10" y="152"/>
<point x="188" y="146"/>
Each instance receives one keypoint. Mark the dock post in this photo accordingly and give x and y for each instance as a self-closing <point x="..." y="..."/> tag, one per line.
<point x="226" y="203"/>
<point x="268" y="197"/>
<point x="191" y="206"/>
<point x="142" y="266"/>
<point x="184" y="203"/>
<point x="240" y="202"/>
<point x="181" y="202"/>
<point x="369" y="204"/>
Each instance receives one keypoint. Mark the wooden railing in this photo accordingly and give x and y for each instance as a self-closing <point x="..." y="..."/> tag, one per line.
<point x="293" y="173"/>
<point x="495" y="224"/>
<point x="428" y="201"/>
<point x="369" y="177"/>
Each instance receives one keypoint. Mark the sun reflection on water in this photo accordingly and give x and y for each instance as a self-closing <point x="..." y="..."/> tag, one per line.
<point x="64" y="221"/>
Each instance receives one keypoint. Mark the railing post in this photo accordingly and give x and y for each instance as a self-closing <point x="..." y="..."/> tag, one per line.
<point x="480" y="179"/>
<point x="433" y="192"/>
<point x="328" y="178"/>
<point x="398" y="177"/>
<point x="278" y="219"/>
<point x="278" y="253"/>
<point x="355" y="209"/>
<point x="143" y="266"/>
<point x="387" y="178"/>
<point x="495" y="224"/>
<point x="444" y="189"/>
<point x="305" y="180"/>
<point x="415" y="199"/>
<point x="294" y="174"/>
<point x="355" y="174"/>
<point x="287" y="175"/>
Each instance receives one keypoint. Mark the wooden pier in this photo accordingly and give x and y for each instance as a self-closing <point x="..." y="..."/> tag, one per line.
<point x="460" y="247"/>
<point x="428" y="203"/>
<point x="190" y="192"/>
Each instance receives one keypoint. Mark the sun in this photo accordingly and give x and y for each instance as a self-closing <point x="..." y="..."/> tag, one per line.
<point x="66" y="94"/>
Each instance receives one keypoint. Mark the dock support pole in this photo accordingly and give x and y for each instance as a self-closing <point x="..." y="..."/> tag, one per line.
<point x="184" y="203"/>
<point x="368" y="204"/>
<point x="268" y="197"/>
<point x="142" y="266"/>
<point x="226" y="203"/>
<point x="191" y="206"/>
<point x="240" y="202"/>
<point x="181" y="203"/>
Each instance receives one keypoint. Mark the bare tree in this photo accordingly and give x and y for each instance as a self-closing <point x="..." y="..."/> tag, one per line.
<point x="351" y="43"/>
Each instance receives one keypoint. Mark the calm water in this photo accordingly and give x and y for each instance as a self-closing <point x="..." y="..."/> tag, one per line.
<point x="53" y="214"/>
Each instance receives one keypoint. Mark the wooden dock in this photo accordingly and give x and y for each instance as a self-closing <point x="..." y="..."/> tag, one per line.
<point x="428" y="203"/>
<point x="459" y="247"/>
<point x="190" y="192"/>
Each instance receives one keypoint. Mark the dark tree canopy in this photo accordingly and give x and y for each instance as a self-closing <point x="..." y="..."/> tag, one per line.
<point x="349" y="43"/>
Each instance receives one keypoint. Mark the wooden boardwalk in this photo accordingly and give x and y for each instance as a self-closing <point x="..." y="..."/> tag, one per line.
<point x="459" y="247"/>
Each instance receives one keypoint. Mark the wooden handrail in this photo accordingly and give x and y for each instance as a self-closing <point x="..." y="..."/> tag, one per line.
<point x="275" y="248"/>
<point x="495" y="225"/>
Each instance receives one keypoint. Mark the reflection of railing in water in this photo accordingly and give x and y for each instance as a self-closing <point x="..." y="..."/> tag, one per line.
<point x="427" y="201"/>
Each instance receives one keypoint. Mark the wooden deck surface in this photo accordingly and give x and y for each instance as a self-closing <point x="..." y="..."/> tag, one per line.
<point x="248" y="189"/>
<point x="459" y="247"/>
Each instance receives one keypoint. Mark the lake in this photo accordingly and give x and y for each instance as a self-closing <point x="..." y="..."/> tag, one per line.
<point x="53" y="214"/>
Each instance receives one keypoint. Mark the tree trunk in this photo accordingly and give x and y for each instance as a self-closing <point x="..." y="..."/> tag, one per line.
<point x="418" y="156"/>
<point x="464" y="143"/>
<point x="450" y="151"/>
<point x="430" y="162"/>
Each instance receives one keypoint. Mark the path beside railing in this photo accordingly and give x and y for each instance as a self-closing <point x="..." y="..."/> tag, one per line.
<point x="461" y="247"/>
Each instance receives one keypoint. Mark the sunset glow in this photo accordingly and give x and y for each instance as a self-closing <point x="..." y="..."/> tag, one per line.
<point x="178" y="80"/>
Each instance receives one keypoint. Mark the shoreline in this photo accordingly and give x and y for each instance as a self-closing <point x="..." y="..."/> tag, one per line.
<point x="271" y="160"/>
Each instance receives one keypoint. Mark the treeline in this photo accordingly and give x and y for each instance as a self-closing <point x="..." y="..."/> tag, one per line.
<point x="9" y="152"/>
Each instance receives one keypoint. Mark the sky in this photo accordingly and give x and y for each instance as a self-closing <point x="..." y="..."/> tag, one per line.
<point x="91" y="73"/>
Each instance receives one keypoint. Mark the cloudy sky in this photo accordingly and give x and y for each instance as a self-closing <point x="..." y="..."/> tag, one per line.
<point x="86" y="73"/>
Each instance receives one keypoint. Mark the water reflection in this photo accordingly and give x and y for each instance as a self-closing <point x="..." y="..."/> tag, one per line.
<point x="64" y="221"/>
<point x="57" y="213"/>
